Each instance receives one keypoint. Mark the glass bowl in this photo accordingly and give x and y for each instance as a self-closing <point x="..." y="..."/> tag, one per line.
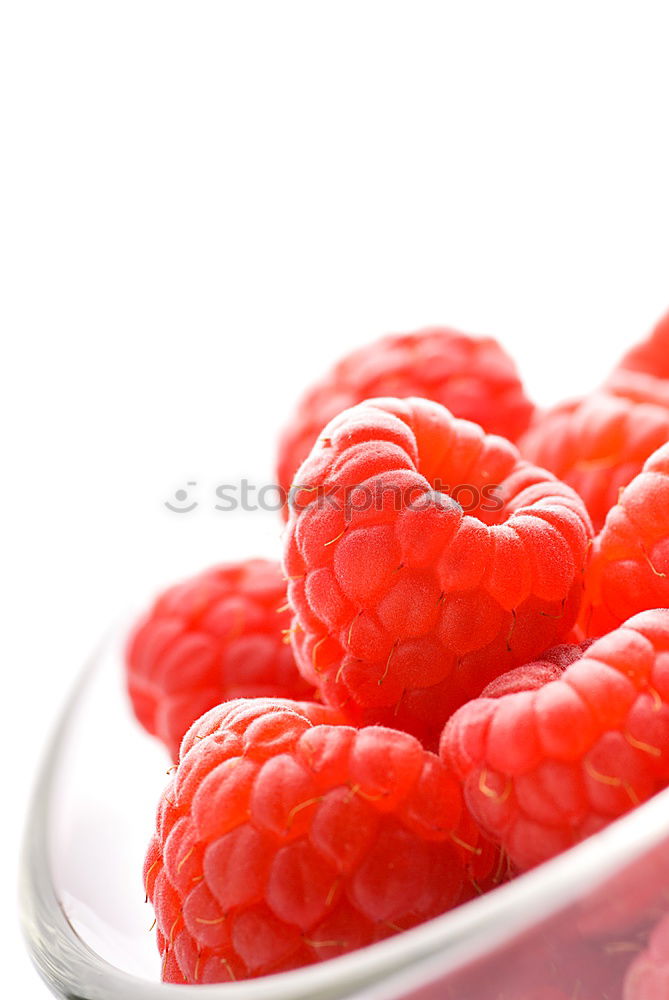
<point x="582" y="917"/>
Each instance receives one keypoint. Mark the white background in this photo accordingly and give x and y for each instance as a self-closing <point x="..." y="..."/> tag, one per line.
<point x="202" y="205"/>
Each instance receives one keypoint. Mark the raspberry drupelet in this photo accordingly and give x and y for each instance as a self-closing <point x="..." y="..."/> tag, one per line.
<point x="285" y="838"/>
<point x="543" y="769"/>
<point x="473" y="376"/>
<point x="408" y="602"/>
<point x="216" y="636"/>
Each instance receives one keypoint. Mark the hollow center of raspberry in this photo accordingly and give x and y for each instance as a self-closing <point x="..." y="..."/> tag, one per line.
<point x="476" y="497"/>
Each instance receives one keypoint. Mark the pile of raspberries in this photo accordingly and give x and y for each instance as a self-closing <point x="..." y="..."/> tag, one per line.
<point x="459" y="670"/>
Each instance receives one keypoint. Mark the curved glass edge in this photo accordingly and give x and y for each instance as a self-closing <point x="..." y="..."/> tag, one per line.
<point x="73" y="970"/>
<point x="589" y="945"/>
<point x="65" y="963"/>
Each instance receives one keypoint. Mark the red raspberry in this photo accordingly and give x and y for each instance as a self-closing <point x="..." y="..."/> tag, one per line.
<point x="651" y="356"/>
<point x="406" y="606"/>
<point x="597" y="444"/>
<point x="473" y="376"/>
<point x="629" y="568"/>
<point x="285" y="838"/>
<point x="210" y="638"/>
<point x="544" y="769"/>
<point x="648" y="976"/>
<point x="548" y="962"/>
<point x="629" y="902"/>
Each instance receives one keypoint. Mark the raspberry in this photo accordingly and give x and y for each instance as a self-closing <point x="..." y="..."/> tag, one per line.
<point x="648" y="976"/>
<point x="474" y="377"/>
<point x="598" y="444"/>
<point x="629" y="568"/>
<point x="548" y="962"/>
<point x="629" y="902"/>
<point x="544" y="769"/>
<point x="651" y="356"/>
<point x="405" y="605"/>
<point x="285" y="838"/>
<point x="210" y="638"/>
